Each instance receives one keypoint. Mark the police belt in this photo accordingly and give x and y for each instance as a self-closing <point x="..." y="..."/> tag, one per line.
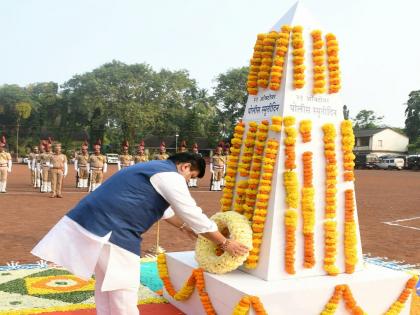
<point x="2" y="165"/>
<point x="218" y="167"/>
<point x="82" y="165"/>
<point x="96" y="168"/>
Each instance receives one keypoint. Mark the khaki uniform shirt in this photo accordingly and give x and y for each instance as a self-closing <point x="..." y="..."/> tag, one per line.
<point x="97" y="161"/>
<point x="45" y="158"/>
<point x="161" y="156"/>
<point x="125" y="160"/>
<point x="82" y="160"/>
<point x="218" y="161"/>
<point x="57" y="161"/>
<point x="141" y="158"/>
<point x="5" y="157"/>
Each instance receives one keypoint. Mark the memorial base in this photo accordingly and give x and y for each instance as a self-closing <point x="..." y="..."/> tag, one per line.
<point x="374" y="289"/>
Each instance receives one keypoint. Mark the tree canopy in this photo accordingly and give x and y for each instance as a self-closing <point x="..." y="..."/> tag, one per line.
<point x="116" y="102"/>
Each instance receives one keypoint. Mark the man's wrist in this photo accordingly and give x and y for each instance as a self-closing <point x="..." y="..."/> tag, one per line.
<point x="223" y="245"/>
<point x="183" y="225"/>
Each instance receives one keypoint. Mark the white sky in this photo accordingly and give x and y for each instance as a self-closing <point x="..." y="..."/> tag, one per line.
<point x="51" y="40"/>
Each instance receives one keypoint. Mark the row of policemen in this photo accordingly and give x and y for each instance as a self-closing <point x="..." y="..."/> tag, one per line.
<point x="5" y="165"/>
<point x="90" y="169"/>
<point x="48" y="166"/>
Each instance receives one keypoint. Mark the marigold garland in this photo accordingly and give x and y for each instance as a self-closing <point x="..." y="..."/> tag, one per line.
<point x="255" y="64"/>
<point x="276" y="123"/>
<point x="290" y="219"/>
<point x="290" y="142"/>
<point x="318" y="59"/>
<point x="245" y="303"/>
<point x="245" y="163"/>
<point x="262" y="200"/>
<point x="305" y="128"/>
<point x="330" y="225"/>
<point x="342" y="291"/>
<point x="398" y="305"/>
<point x="333" y="64"/>
<point x="232" y="166"/>
<point x="282" y="46"/>
<point x="308" y="211"/>
<point x="298" y="58"/>
<point x="269" y="42"/>
<point x="256" y="165"/>
<point x="196" y="280"/>
<point x="347" y="145"/>
<point x="350" y="232"/>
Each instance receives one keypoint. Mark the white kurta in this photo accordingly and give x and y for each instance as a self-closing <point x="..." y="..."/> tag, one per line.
<point x="70" y="245"/>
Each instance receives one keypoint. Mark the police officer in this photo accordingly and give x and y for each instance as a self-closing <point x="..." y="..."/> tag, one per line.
<point x="217" y="168"/>
<point x="81" y="166"/>
<point x="162" y="155"/>
<point x="97" y="166"/>
<point x="125" y="159"/>
<point x="58" y="166"/>
<point x="141" y="155"/>
<point x="5" y="164"/>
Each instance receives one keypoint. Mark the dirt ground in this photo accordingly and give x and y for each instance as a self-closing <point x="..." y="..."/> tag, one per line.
<point x="388" y="206"/>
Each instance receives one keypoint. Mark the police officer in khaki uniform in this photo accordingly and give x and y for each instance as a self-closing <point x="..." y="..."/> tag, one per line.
<point x="193" y="182"/>
<point x="217" y="168"/>
<point x="183" y="146"/>
<point x="45" y="167"/>
<point x="97" y="166"/>
<point x="81" y="166"/>
<point x="5" y="164"/>
<point x="58" y="166"/>
<point x="32" y="164"/>
<point x="162" y="155"/>
<point x="125" y="159"/>
<point x="141" y="155"/>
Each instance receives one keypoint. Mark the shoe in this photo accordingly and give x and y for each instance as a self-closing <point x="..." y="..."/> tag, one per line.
<point x="59" y="196"/>
<point x="53" y="196"/>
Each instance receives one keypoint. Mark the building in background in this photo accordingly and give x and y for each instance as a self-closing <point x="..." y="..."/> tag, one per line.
<point x="381" y="141"/>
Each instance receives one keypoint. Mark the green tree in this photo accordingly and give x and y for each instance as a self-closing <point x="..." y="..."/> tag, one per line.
<point x="10" y="113"/>
<point x="367" y="119"/>
<point x="23" y="111"/>
<point x="231" y="96"/>
<point x="412" y="114"/>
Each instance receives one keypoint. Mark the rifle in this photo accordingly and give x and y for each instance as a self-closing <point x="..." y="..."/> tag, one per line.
<point x="211" y="181"/>
<point x="90" y="181"/>
<point x="41" y="178"/>
<point x="77" y="178"/>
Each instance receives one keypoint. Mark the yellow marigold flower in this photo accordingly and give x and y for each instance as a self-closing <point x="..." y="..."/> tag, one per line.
<point x="289" y="121"/>
<point x="286" y="28"/>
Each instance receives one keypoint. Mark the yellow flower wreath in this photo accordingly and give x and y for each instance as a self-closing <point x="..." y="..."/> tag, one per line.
<point x="239" y="230"/>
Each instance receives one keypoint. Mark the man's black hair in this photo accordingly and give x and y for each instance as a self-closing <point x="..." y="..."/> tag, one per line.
<point x="196" y="160"/>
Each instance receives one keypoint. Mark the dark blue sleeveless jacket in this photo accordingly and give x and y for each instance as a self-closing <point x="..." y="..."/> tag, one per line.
<point x="126" y="204"/>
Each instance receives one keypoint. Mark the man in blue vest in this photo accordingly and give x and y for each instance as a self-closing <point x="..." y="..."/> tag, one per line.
<point x="102" y="233"/>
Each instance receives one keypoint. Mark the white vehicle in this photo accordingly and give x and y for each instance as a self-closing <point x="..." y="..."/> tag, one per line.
<point x="111" y="158"/>
<point x="391" y="163"/>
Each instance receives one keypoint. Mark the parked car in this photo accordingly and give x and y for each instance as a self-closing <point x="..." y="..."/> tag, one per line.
<point x="413" y="162"/>
<point x="365" y="161"/>
<point x="111" y="158"/>
<point x="390" y="163"/>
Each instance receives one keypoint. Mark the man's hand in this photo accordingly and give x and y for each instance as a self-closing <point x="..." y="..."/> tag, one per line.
<point x="235" y="248"/>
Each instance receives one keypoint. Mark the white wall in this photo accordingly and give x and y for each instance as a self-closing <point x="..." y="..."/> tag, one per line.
<point x="391" y="141"/>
